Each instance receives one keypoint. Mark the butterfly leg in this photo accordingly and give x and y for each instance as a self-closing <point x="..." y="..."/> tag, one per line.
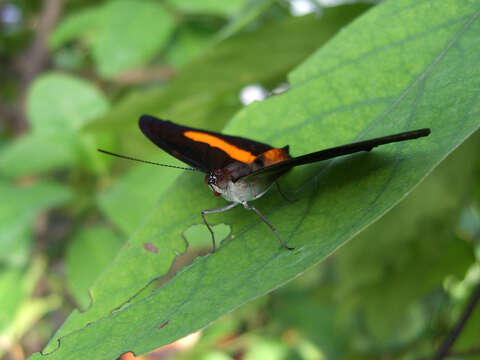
<point x="283" y="194"/>
<point x="214" y="211"/>
<point x="250" y="207"/>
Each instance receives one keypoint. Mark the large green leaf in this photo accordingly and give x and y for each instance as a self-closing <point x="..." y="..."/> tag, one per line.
<point x="390" y="71"/>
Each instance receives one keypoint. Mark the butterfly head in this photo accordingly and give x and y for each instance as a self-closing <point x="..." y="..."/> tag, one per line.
<point x="218" y="180"/>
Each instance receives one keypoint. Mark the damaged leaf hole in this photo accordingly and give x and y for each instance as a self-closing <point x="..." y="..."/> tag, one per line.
<point x="199" y="238"/>
<point x="198" y="243"/>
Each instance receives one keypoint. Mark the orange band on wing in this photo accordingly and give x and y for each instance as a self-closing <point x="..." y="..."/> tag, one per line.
<point x="232" y="151"/>
<point x="274" y="156"/>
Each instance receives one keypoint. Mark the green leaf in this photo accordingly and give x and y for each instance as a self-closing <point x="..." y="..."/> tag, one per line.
<point x="57" y="105"/>
<point x="34" y="153"/>
<point x="83" y="23"/>
<point x="88" y="253"/>
<point x="213" y="7"/>
<point x="132" y="33"/>
<point x="364" y="83"/>
<point x="247" y="17"/>
<point x="189" y="42"/>
<point x="18" y="208"/>
<point x="123" y="34"/>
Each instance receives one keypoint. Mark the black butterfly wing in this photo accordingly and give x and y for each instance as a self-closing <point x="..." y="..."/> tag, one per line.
<point x="203" y="150"/>
<point x="275" y="170"/>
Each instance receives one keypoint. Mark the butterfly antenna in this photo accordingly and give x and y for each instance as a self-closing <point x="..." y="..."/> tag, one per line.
<point x="146" y="161"/>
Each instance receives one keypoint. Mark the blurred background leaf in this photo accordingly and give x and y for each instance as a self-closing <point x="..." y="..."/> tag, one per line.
<point x="18" y="209"/>
<point x="86" y="257"/>
<point x="122" y="34"/>
<point x="213" y="7"/>
<point x="58" y="105"/>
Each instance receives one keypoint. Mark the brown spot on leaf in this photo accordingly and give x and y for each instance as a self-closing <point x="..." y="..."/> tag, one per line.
<point x="150" y="247"/>
<point x="163" y="325"/>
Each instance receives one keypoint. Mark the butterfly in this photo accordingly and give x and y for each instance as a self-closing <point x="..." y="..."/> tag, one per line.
<point x="239" y="169"/>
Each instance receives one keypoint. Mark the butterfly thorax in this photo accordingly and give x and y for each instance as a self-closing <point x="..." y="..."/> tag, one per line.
<point x="233" y="182"/>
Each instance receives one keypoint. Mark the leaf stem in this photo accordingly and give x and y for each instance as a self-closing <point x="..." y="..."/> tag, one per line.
<point x="444" y="349"/>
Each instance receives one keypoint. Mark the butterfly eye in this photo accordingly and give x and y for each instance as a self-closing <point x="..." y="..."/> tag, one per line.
<point x="212" y="179"/>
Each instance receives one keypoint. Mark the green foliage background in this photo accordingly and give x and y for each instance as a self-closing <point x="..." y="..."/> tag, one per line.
<point x="77" y="279"/>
